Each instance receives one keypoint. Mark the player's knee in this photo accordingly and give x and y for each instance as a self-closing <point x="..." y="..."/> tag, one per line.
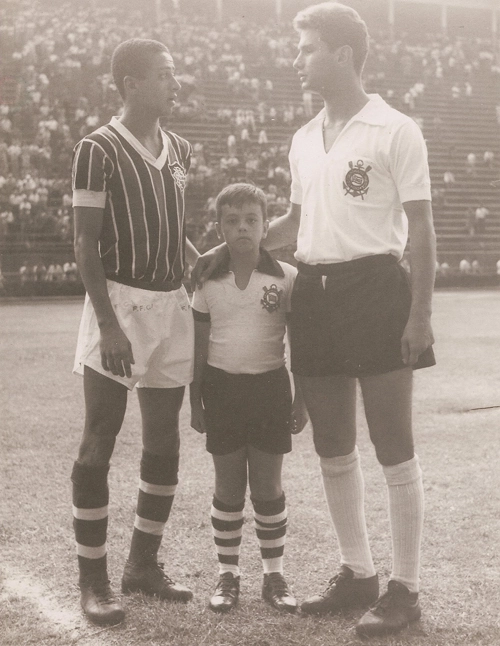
<point x="331" y="445"/>
<point x="96" y="448"/>
<point x="389" y="454"/>
<point x="265" y="490"/>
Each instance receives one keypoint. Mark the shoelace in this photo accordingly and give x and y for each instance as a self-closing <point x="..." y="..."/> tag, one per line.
<point x="278" y="584"/>
<point x="160" y="567"/>
<point x="104" y="593"/>
<point x="338" y="578"/>
<point x="226" y="585"/>
<point x="383" y="603"/>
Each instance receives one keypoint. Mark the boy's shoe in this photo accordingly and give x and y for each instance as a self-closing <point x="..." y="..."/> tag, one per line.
<point x="342" y="592"/>
<point x="226" y="593"/>
<point x="391" y="613"/>
<point x="98" y="601"/>
<point x="276" y="592"/>
<point x="149" y="577"/>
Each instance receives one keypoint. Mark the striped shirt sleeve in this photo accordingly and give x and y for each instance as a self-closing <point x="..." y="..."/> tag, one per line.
<point x="91" y="168"/>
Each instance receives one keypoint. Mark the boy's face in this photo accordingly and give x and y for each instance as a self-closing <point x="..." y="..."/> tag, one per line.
<point x="242" y="227"/>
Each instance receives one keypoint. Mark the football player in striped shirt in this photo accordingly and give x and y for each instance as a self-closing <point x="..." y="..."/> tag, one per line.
<point x="136" y="329"/>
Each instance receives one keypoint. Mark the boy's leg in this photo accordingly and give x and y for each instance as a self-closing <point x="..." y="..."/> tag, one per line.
<point x="387" y="400"/>
<point x="226" y="517"/>
<point x="270" y="516"/>
<point x="105" y="404"/>
<point x="331" y="404"/>
<point x="158" y="479"/>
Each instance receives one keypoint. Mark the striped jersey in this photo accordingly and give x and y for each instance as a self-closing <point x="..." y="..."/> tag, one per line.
<point x="142" y="242"/>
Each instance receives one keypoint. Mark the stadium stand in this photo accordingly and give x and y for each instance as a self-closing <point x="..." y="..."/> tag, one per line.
<point x="239" y="105"/>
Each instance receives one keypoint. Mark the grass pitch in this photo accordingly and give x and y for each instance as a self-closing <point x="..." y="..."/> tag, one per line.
<point x="41" y="410"/>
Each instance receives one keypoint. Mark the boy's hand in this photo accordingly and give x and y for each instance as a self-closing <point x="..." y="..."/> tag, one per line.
<point x="299" y="417"/>
<point x="206" y="264"/>
<point x="198" y="416"/>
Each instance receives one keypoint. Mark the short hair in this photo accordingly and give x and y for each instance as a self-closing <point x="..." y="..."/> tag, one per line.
<point x="132" y="58"/>
<point x="337" y="25"/>
<point x="239" y="194"/>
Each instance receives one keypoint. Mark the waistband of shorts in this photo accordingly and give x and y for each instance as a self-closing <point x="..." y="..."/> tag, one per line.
<point x="243" y="375"/>
<point x="366" y="262"/>
<point x="152" y="287"/>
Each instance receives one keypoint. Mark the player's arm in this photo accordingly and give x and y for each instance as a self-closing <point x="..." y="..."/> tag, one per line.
<point x="201" y="338"/>
<point x="116" y="351"/>
<point x="418" y="334"/>
<point x="283" y="231"/>
<point x="192" y="254"/>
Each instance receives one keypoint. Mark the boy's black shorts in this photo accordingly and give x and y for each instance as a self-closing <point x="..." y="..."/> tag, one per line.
<point x="247" y="409"/>
<point x="348" y="318"/>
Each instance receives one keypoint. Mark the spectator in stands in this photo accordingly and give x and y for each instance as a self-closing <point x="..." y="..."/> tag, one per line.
<point x="475" y="267"/>
<point x="470" y="166"/>
<point x="471" y="221"/>
<point x="449" y="179"/>
<point x="444" y="269"/>
<point x="489" y="158"/>
<point x="498" y="267"/>
<point x="481" y="214"/>
<point x="464" y="267"/>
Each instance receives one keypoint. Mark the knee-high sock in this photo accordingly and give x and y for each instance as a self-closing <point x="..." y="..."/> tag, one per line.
<point x="227" y="530"/>
<point x="270" y="518"/>
<point x="344" y="491"/>
<point x="90" y="517"/>
<point x="156" y="494"/>
<point x="406" y="512"/>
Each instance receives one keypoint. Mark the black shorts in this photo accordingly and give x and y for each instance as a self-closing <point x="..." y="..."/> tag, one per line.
<point x="247" y="409"/>
<point x="348" y="318"/>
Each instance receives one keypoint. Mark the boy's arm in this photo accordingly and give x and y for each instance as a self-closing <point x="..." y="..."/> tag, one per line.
<point x="192" y="254"/>
<point x="299" y="410"/>
<point x="201" y="337"/>
<point x="418" y="334"/>
<point x="116" y="350"/>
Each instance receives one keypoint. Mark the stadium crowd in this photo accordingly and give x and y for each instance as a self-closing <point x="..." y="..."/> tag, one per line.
<point x="57" y="87"/>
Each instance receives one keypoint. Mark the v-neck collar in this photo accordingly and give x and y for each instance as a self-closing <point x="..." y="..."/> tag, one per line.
<point x="266" y="265"/>
<point x="157" y="162"/>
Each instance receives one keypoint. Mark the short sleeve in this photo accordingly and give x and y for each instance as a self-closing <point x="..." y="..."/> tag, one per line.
<point x="290" y="275"/>
<point x="296" y="186"/>
<point x="91" y="170"/>
<point x="409" y="163"/>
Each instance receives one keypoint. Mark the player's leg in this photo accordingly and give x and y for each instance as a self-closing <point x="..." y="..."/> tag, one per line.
<point x="226" y="517"/>
<point x="270" y="518"/>
<point x="105" y="404"/>
<point x="160" y="409"/>
<point x="331" y="404"/>
<point x="388" y="402"/>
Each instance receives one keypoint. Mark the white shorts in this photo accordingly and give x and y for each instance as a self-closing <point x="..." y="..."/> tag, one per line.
<point x="160" y="327"/>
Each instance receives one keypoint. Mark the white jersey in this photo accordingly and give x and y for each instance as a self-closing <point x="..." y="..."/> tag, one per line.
<point x="351" y="197"/>
<point x="247" y="333"/>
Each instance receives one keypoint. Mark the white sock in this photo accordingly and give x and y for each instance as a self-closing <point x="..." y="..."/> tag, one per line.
<point x="345" y="494"/>
<point x="406" y="513"/>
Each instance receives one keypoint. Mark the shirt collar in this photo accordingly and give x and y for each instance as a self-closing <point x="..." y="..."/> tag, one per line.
<point x="374" y="112"/>
<point x="157" y="162"/>
<point x="266" y="265"/>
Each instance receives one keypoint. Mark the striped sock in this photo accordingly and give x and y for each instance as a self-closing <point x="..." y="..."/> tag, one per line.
<point x="270" y="518"/>
<point x="227" y="530"/>
<point x="406" y="512"/>
<point x="90" y="517"/>
<point x="156" y="494"/>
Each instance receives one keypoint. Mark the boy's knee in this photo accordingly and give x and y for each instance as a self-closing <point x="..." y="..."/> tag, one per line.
<point x="390" y="454"/>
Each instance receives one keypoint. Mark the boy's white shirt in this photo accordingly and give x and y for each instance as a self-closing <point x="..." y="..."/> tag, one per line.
<point x="247" y="326"/>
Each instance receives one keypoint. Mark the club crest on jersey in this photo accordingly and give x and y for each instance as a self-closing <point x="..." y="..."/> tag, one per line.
<point x="357" y="180"/>
<point x="179" y="174"/>
<point x="271" y="300"/>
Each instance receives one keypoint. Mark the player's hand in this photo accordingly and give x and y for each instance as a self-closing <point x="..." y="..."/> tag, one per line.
<point x="116" y="351"/>
<point x="416" y="338"/>
<point x="206" y="265"/>
<point x="299" y="417"/>
<point x="198" y="416"/>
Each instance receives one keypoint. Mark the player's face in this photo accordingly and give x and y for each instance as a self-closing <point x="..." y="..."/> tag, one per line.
<point x="316" y="62"/>
<point x="157" y="91"/>
<point x="243" y="228"/>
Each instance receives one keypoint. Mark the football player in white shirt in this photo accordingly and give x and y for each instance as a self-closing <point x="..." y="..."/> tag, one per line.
<point x="360" y="184"/>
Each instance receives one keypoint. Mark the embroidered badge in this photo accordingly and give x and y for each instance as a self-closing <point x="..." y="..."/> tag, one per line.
<point x="271" y="300"/>
<point x="179" y="174"/>
<point x="356" y="180"/>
